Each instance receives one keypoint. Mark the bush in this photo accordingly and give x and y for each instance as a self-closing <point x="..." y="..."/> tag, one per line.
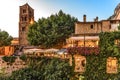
<point x="23" y="57"/>
<point x="9" y="59"/>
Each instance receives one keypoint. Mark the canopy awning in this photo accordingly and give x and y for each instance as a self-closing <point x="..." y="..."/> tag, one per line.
<point x="51" y="50"/>
<point x="84" y="37"/>
<point x="40" y="50"/>
<point x="33" y="50"/>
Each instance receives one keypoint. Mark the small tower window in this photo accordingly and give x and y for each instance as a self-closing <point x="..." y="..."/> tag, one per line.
<point x="23" y="28"/>
<point x="91" y="27"/>
<point x="24" y="11"/>
<point x="24" y="18"/>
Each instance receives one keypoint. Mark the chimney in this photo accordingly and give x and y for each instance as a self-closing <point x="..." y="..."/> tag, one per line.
<point x="84" y="18"/>
<point x="96" y="19"/>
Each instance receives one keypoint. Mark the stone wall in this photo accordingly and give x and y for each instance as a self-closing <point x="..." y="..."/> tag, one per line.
<point x="92" y="27"/>
<point x="87" y="27"/>
<point x="8" y="68"/>
<point x="106" y="26"/>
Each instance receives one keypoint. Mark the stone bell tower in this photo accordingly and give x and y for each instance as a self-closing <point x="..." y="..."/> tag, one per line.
<point x="26" y="17"/>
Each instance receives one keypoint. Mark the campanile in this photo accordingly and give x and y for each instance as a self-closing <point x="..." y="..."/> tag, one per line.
<point x="26" y="17"/>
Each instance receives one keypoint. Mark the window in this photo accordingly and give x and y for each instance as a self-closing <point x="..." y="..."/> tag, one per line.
<point x="109" y="26"/>
<point x="111" y="22"/>
<point x="24" y="18"/>
<point x="24" y="11"/>
<point x="91" y="27"/>
<point x="23" y="28"/>
<point x="83" y="63"/>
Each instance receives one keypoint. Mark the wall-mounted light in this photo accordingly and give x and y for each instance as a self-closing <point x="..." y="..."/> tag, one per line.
<point x="31" y="21"/>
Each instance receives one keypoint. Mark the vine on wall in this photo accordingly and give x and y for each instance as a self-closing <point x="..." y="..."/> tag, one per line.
<point x="96" y="64"/>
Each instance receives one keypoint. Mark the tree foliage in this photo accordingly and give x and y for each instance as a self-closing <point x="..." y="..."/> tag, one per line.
<point x="107" y="44"/>
<point x="119" y="27"/>
<point x="5" y="38"/>
<point x="23" y="57"/>
<point x="51" y="31"/>
<point x="44" y="68"/>
<point x="96" y="64"/>
<point x="9" y="59"/>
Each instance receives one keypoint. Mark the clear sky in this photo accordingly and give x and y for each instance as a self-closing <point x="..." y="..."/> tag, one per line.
<point x="9" y="10"/>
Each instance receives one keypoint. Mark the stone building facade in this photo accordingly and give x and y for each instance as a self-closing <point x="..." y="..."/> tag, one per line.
<point x="96" y="26"/>
<point x="26" y="17"/>
<point x="15" y="41"/>
<point x="87" y="33"/>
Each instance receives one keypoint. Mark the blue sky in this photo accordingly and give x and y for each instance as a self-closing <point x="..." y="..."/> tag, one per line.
<point x="92" y="8"/>
<point x="9" y="15"/>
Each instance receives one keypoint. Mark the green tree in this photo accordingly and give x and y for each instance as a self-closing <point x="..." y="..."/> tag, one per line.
<point x="44" y="68"/>
<point x="96" y="64"/>
<point x="119" y="27"/>
<point x="9" y="59"/>
<point x="52" y="30"/>
<point x="5" y="38"/>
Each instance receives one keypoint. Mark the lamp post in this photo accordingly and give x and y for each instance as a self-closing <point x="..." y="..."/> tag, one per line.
<point x="84" y="20"/>
<point x="84" y="42"/>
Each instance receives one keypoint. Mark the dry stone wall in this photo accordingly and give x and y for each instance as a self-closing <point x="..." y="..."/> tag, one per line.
<point x="8" y="68"/>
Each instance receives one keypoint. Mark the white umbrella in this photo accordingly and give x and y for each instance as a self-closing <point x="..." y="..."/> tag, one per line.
<point x="32" y="50"/>
<point x="51" y="50"/>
